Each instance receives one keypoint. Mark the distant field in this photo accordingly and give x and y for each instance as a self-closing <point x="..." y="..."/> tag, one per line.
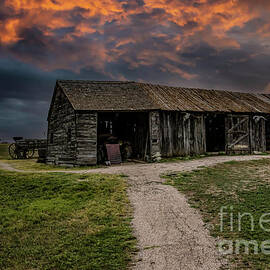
<point x="4" y="151"/>
<point x="240" y="187"/>
<point x="64" y="221"/>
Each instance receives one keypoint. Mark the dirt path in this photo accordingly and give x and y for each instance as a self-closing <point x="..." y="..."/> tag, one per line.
<point x="171" y="234"/>
<point x="7" y="167"/>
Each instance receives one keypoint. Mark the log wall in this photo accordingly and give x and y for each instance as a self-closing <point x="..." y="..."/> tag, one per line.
<point x="72" y="137"/>
<point x="61" y="132"/>
<point x="86" y="125"/>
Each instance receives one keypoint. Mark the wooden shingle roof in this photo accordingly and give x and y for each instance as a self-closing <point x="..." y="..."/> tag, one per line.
<point x="133" y="96"/>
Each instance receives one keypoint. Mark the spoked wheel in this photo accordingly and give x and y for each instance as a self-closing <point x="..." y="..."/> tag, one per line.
<point x="30" y="153"/>
<point x="12" y="149"/>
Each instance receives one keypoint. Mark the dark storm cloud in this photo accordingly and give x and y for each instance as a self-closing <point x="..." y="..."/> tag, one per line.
<point x="232" y="69"/>
<point x="24" y="99"/>
<point x="7" y="12"/>
<point x="130" y="5"/>
<point x="24" y="82"/>
<point x="32" y="42"/>
<point x="17" y="119"/>
<point x="25" y="96"/>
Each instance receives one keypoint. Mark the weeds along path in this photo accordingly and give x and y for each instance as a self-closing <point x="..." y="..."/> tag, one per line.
<point x="171" y="234"/>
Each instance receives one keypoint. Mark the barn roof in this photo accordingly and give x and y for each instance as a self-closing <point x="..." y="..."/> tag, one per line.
<point x="134" y="96"/>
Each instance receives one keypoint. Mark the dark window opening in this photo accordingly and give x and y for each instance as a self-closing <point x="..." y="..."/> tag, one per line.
<point x="215" y="133"/>
<point x="51" y="138"/>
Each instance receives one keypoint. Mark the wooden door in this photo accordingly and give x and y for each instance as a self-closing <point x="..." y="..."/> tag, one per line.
<point x="258" y="134"/>
<point x="237" y="134"/>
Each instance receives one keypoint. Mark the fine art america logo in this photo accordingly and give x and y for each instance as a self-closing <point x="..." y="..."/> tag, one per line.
<point x="233" y="223"/>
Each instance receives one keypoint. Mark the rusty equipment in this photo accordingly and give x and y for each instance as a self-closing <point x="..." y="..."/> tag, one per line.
<point x="25" y="148"/>
<point x="113" y="152"/>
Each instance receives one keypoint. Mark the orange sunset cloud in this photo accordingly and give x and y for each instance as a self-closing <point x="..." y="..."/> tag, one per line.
<point x="113" y="29"/>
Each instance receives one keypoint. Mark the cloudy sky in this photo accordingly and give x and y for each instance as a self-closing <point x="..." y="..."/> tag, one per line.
<point x="220" y="44"/>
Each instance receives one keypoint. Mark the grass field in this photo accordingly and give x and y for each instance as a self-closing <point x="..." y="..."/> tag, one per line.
<point x="4" y="151"/>
<point x="64" y="221"/>
<point x="244" y="186"/>
<point x="32" y="165"/>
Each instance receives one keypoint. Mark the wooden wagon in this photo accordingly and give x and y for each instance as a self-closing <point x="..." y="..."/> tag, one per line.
<point x="25" y="148"/>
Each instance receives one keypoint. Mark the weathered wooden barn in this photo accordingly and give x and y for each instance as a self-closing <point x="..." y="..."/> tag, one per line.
<point x="152" y="120"/>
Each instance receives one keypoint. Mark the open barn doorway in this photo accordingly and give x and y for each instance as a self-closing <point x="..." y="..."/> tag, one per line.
<point x="128" y="129"/>
<point x="215" y="133"/>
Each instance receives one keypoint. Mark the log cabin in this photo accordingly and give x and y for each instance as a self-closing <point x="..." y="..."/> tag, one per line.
<point x="152" y="121"/>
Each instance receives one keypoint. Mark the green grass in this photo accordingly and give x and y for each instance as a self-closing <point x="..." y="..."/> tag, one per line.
<point x="245" y="186"/>
<point x="4" y="151"/>
<point x="32" y="165"/>
<point x="64" y="221"/>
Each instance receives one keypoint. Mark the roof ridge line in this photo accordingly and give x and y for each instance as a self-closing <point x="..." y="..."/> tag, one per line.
<point x="96" y="82"/>
<point x="159" y="85"/>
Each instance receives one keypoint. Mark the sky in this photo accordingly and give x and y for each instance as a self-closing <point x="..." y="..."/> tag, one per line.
<point x="214" y="44"/>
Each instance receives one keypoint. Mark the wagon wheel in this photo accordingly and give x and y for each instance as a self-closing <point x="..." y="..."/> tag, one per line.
<point x="12" y="149"/>
<point x="30" y="153"/>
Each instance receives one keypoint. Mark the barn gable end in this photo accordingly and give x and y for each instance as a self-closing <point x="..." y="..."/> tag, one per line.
<point x="61" y="130"/>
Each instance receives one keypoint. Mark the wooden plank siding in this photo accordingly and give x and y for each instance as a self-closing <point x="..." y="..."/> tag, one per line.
<point x="257" y="134"/>
<point x="72" y="136"/>
<point x="155" y="133"/>
<point x="238" y="139"/>
<point x="61" y="132"/>
<point x="86" y="137"/>
<point x="245" y="134"/>
<point x="182" y="134"/>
